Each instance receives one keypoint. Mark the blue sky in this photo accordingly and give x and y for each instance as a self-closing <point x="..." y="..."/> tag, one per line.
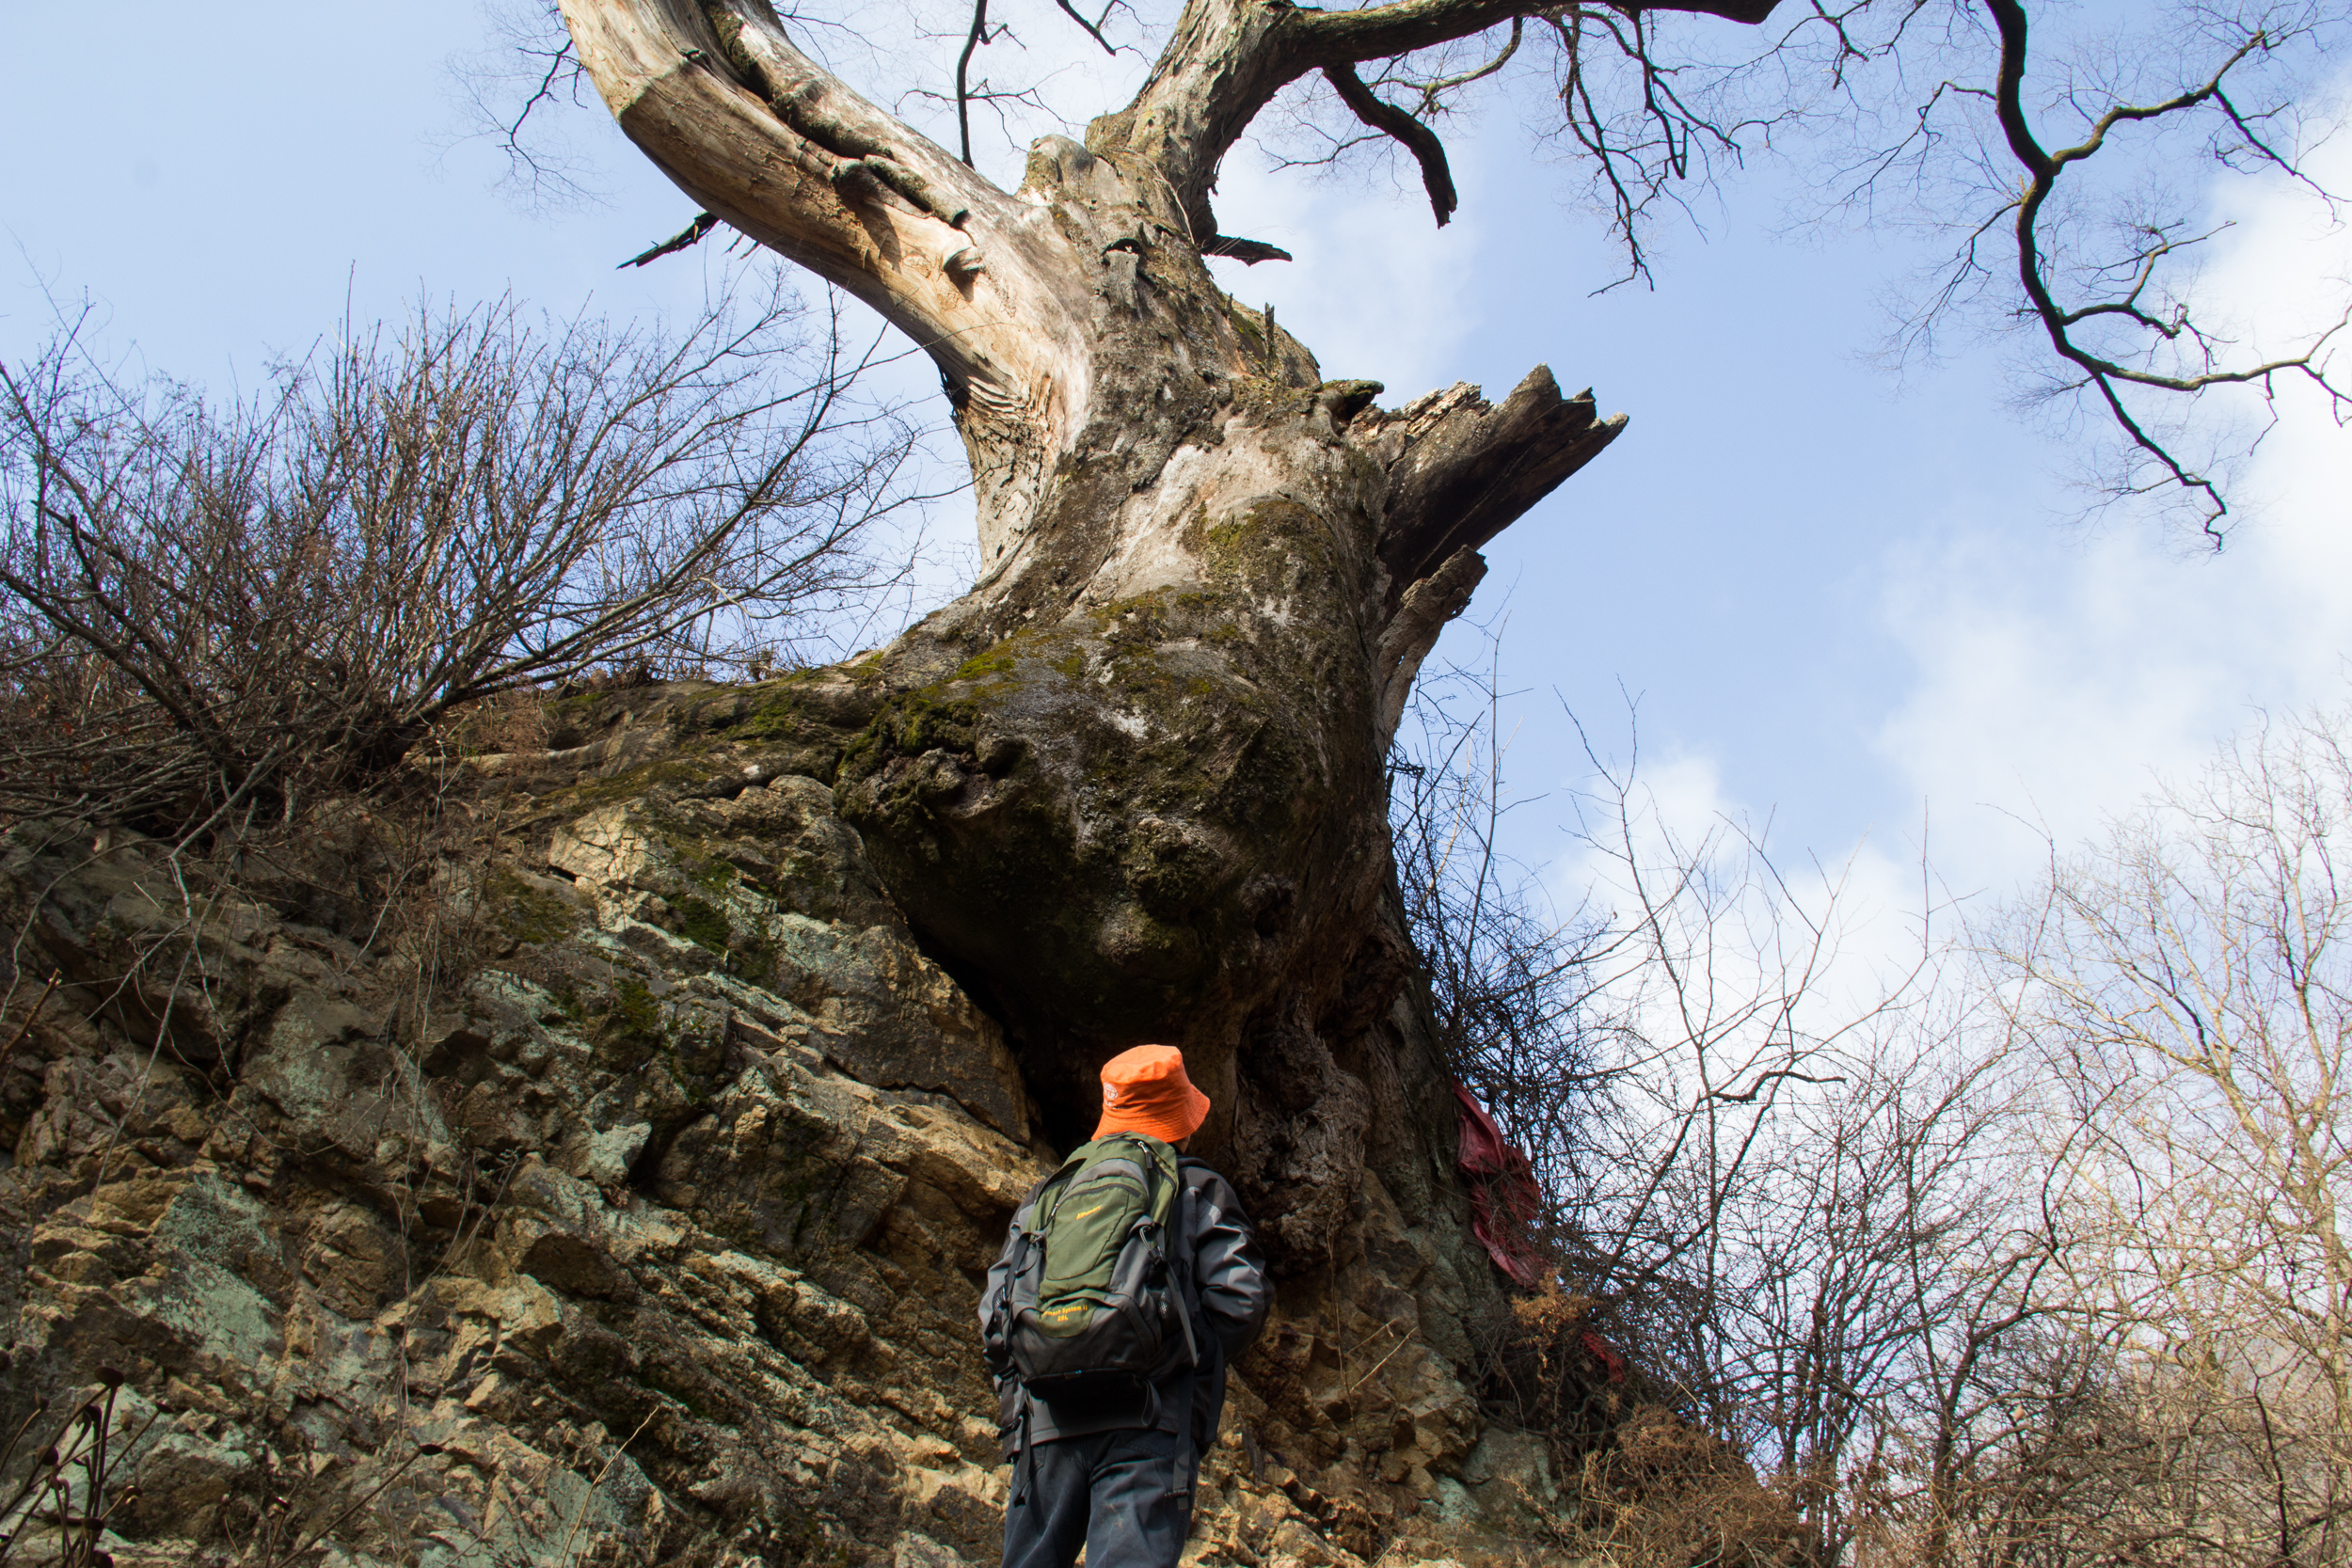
<point x="1843" y="600"/>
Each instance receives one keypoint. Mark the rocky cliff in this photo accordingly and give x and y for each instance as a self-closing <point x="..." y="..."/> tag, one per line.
<point x="583" y="1161"/>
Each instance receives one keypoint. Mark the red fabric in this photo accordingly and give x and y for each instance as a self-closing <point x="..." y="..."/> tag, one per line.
<point x="1610" y="1362"/>
<point x="1504" y="1204"/>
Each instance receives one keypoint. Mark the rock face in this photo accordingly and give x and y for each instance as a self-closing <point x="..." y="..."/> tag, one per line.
<point x="632" y="1207"/>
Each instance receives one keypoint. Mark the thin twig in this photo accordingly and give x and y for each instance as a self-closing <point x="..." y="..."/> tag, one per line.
<point x="30" y="1019"/>
<point x="563" y="1557"/>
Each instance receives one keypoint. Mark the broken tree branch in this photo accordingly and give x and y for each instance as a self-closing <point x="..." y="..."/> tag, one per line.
<point x="1247" y="252"/>
<point x="692" y="234"/>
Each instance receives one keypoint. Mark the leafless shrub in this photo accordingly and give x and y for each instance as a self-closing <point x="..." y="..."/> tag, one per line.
<point x="2183" y="995"/>
<point x="1664" y="1058"/>
<point x="2047" y="1272"/>
<point x="1880" y="1282"/>
<point x="1513" y="988"/>
<point x="211" y="613"/>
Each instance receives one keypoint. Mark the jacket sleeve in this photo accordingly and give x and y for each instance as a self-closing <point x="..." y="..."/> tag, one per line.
<point x="1229" y="1275"/>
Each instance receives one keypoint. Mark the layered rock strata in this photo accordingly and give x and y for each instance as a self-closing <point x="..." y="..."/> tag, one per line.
<point x="633" y="1207"/>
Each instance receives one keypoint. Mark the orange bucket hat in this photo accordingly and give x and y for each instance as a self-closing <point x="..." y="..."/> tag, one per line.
<point x="1145" y="1090"/>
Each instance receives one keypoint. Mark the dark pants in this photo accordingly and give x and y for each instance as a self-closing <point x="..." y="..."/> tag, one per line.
<point x="1126" y="1497"/>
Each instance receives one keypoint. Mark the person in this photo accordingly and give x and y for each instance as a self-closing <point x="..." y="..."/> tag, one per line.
<point x="1116" y="1478"/>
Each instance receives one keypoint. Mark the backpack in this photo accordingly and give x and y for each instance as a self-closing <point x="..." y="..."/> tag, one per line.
<point x="1095" y="1311"/>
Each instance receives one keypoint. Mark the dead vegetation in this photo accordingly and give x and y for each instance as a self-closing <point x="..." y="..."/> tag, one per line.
<point x="213" y="615"/>
<point x="251" y="647"/>
<point x="2029" y="1257"/>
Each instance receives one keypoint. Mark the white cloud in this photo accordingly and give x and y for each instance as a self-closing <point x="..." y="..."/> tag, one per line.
<point x="2059" y="678"/>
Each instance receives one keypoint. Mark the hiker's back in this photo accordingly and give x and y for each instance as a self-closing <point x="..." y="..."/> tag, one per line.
<point x="1128" y="1279"/>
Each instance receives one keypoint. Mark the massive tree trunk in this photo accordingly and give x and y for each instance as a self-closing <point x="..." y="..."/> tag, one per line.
<point x="1130" y="786"/>
<point x="702" y="1146"/>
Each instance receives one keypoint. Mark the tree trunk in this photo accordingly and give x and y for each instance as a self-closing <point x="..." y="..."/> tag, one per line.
<point x="1130" y="788"/>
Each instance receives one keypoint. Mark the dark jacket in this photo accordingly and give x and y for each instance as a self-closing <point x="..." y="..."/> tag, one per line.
<point x="1225" y="1288"/>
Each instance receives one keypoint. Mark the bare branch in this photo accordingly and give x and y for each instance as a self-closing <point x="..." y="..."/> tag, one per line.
<point x="2103" y="373"/>
<point x="1226" y="60"/>
<point x="1747" y="1096"/>
<point x="1380" y="32"/>
<point x="1432" y="92"/>
<point x="1418" y="139"/>
<point x="1093" y="29"/>
<point x="964" y="69"/>
<point x="515" y="94"/>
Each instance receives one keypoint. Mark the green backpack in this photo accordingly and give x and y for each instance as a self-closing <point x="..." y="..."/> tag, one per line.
<point x="1094" y="1311"/>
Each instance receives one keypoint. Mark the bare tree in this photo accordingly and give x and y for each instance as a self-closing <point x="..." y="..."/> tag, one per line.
<point x="2185" y="993"/>
<point x="2034" y="1257"/>
<point x="1726" y="976"/>
<point x="208" y="613"/>
<point x="1751" y="1174"/>
<point x="1802" y="1200"/>
<point x="2056" y="1277"/>
<point x="2050" y="156"/>
<point x="1136" y="774"/>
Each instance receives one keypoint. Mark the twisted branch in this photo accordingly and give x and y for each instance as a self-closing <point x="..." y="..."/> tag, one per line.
<point x="2043" y="168"/>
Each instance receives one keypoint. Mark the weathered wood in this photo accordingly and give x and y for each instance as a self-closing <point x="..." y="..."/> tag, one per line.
<point x="1009" y="338"/>
<point x="1469" y="469"/>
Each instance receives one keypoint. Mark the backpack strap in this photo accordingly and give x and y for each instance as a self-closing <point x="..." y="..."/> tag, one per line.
<point x="1175" y="1245"/>
<point x="1186" y="1224"/>
<point x="999" y="1327"/>
<point x="1025" y="1446"/>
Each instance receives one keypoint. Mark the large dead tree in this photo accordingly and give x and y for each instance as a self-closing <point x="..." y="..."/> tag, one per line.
<point x="1131" y="784"/>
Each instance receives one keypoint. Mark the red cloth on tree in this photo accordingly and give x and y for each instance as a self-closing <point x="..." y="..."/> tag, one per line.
<point x="1611" y="1364"/>
<point x="1504" y="1201"/>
